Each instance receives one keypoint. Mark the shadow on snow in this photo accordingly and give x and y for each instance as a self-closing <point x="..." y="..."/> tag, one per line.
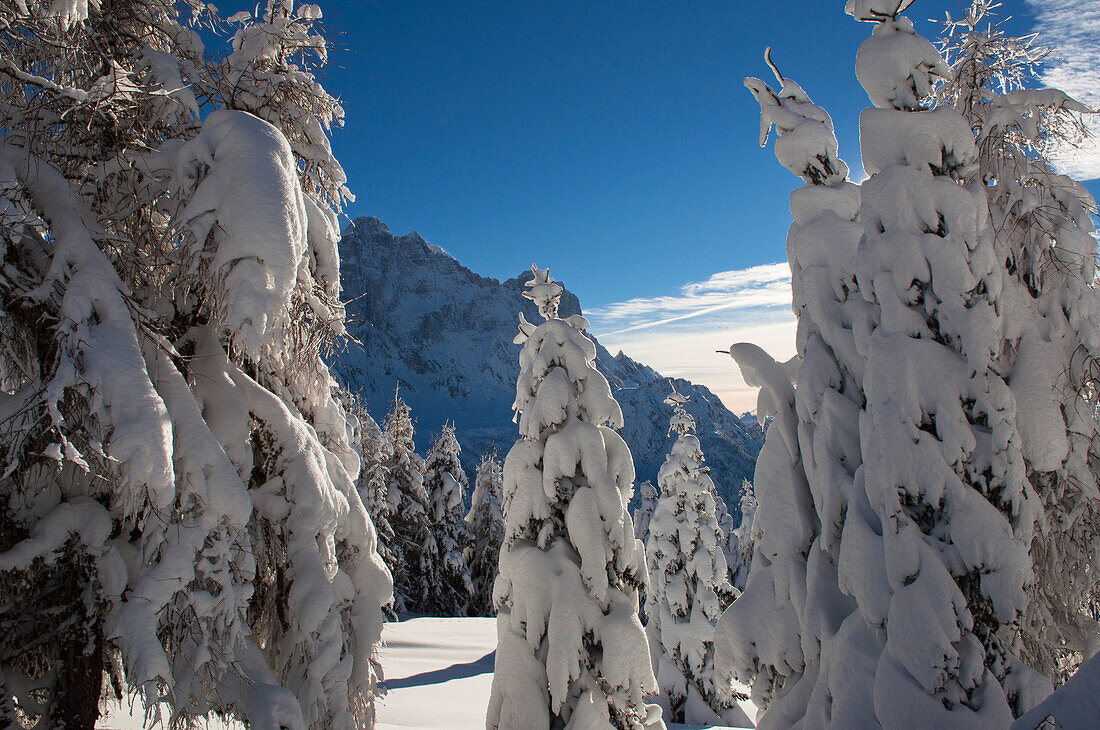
<point x="438" y="676"/>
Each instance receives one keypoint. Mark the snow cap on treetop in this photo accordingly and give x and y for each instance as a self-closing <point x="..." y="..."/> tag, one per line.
<point x="681" y="421"/>
<point x="898" y="68"/>
<point x="544" y="292"/>
<point x="805" y="142"/>
<point x="875" y="11"/>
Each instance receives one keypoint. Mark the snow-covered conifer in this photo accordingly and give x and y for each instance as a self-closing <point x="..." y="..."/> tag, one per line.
<point x="770" y="637"/>
<point x="897" y="491"/>
<point x="174" y="445"/>
<point x="1043" y="233"/>
<point x="372" y="476"/>
<point x="415" y="552"/>
<point x="644" y="513"/>
<point x="741" y="538"/>
<point x="446" y="483"/>
<point x="687" y="571"/>
<point x="571" y="651"/>
<point x="727" y="543"/>
<point x="486" y="522"/>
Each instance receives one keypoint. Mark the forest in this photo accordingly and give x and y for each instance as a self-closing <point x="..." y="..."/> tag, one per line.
<point x="201" y="519"/>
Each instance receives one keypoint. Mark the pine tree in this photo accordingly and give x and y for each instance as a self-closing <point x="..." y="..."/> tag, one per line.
<point x="771" y="636"/>
<point x="178" y="499"/>
<point x="372" y="476"/>
<point x="901" y="484"/>
<point x="453" y="589"/>
<point x="486" y="522"/>
<point x="727" y="543"/>
<point x="571" y="650"/>
<point x="416" y="554"/>
<point x="741" y="538"/>
<point x="1043" y="231"/>
<point x="644" y="513"/>
<point x="687" y="571"/>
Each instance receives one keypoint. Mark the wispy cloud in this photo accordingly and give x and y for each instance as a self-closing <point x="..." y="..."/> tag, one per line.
<point x="678" y="335"/>
<point x="1072" y="27"/>
<point x="752" y="288"/>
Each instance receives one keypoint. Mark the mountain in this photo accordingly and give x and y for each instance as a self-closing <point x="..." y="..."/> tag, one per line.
<point x="443" y="334"/>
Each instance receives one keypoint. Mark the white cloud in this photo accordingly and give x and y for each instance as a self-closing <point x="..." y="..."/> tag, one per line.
<point x="758" y="286"/>
<point x="1072" y="27"/>
<point x="678" y="335"/>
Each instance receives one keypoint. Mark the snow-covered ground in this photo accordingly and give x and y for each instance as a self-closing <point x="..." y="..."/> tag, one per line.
<point x="438" y="674"/>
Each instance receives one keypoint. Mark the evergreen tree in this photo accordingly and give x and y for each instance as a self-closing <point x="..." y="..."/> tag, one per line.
<point x="687" y="571"/>
<point x="571" y="651"/>
<point x="486" y="522"/>
<point x="178" y="500"/>
<point x="372" y="476"/>
<point x="644" y="513"/>
<point x="727" y="543"/>
<point x="642" y="516"/>
<point x="771" y="636"/>
<point x="741" y="538"/>
<point x="902" y="481"/>
<point x="415" y="551"/>
<point x="453" y="590"/>
<point x="1043" y="232"/>
<point x="373" y="488"/>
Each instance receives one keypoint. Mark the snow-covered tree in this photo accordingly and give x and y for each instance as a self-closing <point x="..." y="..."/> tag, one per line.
<point x="898" y="495"/>
<point x="644" y="512"/>
<point x="642" y="515"/>
<point x="741" y="538"/>
<point x="415" y="551"/>
<point x="372" y="476"/>
<point x="770" y="637"/>
<point x="727" y="543"/>
<point x="486" y="523"/>
<point x="446" y="483"/>
<point x="687" y="570"/>
<point x="178" y="499"/>
<point x="1043" y="232"/>
<point x="571" y="651"/>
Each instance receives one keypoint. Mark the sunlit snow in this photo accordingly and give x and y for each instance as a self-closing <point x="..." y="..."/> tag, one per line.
<point x="438" y="674"/>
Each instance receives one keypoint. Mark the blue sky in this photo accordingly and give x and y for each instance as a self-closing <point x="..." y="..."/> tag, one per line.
<point x="614" y="142"/>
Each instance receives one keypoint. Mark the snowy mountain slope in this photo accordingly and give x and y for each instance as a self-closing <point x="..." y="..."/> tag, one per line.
<point x="444" y="334"/>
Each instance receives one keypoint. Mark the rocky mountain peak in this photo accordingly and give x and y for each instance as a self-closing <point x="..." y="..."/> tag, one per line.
<point x="444" y="334"/>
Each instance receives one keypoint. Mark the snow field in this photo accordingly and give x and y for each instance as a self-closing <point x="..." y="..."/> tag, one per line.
<point x="438" y="672"/>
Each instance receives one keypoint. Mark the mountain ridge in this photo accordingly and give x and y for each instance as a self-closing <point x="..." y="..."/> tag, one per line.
<point x="443" y="334"/>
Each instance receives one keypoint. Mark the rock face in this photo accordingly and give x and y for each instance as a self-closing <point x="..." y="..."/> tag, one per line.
<point x="444" y="335"/>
